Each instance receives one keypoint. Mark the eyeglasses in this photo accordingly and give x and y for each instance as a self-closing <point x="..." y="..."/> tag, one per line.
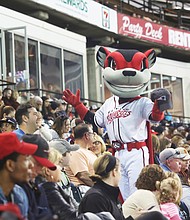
<point x="96" y="142"/>
<point x="176" y="153"/>
<point x="89" y="132"/>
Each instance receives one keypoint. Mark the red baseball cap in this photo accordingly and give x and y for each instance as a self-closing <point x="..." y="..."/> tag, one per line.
<point x="9" y="143"/>
<point x="42" y="153"/>
<point x="13" y="208"/>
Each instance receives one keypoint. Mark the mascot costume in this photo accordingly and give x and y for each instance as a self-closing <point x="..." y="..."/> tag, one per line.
<point x="126" y="115"/>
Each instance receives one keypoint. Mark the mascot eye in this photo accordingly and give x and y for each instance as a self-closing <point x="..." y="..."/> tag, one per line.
<point x="143" y="64"/>
<point x="112" y="64"/>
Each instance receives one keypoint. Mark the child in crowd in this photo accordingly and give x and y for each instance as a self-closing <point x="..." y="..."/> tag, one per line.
<point x="169" y="193"/>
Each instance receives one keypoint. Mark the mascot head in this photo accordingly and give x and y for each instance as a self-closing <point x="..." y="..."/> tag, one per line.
<point x="126" y="72"/>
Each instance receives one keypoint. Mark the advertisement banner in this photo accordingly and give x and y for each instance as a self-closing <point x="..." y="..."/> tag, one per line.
<point x="86" y="10"/>
<point x="150" y="31"/>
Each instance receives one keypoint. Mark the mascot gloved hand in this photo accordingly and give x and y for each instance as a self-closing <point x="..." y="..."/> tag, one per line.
<point x="126" y="115"/>
<point x="162" y="101"/>
<point x="74" y="100"/>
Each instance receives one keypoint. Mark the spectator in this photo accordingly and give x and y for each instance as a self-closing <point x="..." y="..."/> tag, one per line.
<point x="8" y="98"/>
<point x="170" y="160"/>
<point x="60" y="127"/>
<point x="98" y="146"/>
<point x="42" y="128"/>
<point x="14" y="169"/>
<point x="54" y="105"/>
<point x="61" y="109"/>
<point x="156" y="147"/>
<point x="26" y="117"/>
<point x="81" y="161"/>
<point x="38" y="205"/>
<point x="93" y="108"/>
<point x="37" y="102"/>
<point x="8" y="124"/>
<point x="177" y="140"/>
<point x="63" y="210"/>
<point x="186" y="190"/>
<point x="64" y="149"/>
<point x="55" y="177"/>
<point x="160" y="131"/>
<point x="187" y="147"/>
<point x="103" y="196"/>
<point x="139" y="202"/>
<point x="148" y="177"/>
<point x="185" y="204"/>
<point x="8" y="111"/>
<point x="184" y="164"/>
<point x="74" y="123"/>
<point x="162" y="135"/>
<point x="165" y="143"/>
<point x="169" y="196"/>
<point x="69" y="112"/>
<point x="46" y="110"/>
<point x="144" y="199"/>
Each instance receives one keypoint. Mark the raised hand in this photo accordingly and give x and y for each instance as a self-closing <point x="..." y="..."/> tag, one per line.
<point x="74" y="100"/>
<point x="71" y="98"/>
<point x="163" y="98"/>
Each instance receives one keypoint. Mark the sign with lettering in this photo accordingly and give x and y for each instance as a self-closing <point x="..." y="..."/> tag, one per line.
<point x="150" y="31"/>
<point x="86" y="10"/>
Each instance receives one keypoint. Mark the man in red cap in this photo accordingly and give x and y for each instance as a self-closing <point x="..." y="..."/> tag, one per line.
<point x="14" y="169"/>
<point x="38" y="205"/>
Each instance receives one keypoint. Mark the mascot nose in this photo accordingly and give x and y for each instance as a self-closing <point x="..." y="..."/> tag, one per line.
<point x="129" y="73"/>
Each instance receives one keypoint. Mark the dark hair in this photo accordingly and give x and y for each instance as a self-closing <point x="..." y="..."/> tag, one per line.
<point x="58" y="124"/>
<point x="151" y="215"/>
<point x="7" y="89"/>
<point x="12" y="156"/>
<point x="159" y="129"/>
<point x="80" y="130"/>
<point x="22" y="110"/>
<point x="148" y="177"/>
<point x="7" y="110"/>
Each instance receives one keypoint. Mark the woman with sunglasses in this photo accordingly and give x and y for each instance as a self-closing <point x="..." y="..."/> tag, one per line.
<point x="98" y="147"/>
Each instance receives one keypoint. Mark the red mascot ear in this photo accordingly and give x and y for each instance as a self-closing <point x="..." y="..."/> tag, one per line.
<point x="101" y="55"/>
<point x="151" y="55"/>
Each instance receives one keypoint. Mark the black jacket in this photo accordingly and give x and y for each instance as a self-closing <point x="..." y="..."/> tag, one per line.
<point x="102" y="197"/>
<point x="58" y="202"/>
<point x="38" y="204"/>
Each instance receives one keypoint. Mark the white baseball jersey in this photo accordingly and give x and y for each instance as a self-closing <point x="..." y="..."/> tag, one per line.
<point x="125" y="122"/>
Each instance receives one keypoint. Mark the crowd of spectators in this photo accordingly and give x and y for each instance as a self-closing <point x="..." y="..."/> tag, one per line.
<point x="53" y="165"/>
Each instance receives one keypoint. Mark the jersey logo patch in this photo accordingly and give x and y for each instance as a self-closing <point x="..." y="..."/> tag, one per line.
<point x="119" y="113"/>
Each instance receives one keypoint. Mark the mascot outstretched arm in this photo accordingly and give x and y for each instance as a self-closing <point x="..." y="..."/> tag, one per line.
<point x="126" y="114"/>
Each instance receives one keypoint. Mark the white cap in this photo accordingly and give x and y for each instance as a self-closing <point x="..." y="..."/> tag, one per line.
<point x="63" y="146"/>
<point x="182" y="150"/>
<point x="170" y="153"/>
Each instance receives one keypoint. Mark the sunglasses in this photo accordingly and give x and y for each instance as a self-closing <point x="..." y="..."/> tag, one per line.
<point x="96" y="142"/>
